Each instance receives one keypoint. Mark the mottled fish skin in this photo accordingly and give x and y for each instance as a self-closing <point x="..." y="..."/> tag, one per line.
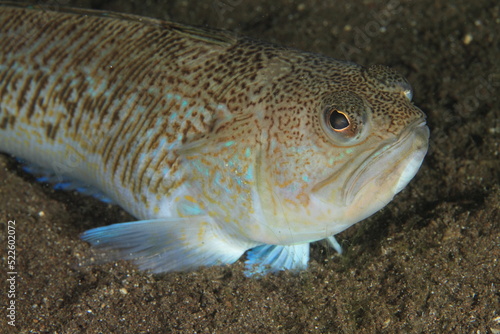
<point x="219" y="143"/>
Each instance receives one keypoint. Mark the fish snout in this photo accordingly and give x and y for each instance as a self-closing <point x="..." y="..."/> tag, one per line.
<point x="386" y="171"/>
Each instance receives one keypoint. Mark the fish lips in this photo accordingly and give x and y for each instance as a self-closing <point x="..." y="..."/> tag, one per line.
<point x="386" y="171"/>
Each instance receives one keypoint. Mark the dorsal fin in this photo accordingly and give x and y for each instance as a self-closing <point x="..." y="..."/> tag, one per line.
<point x="219" y="37"/>
<point x="214" y="36"/>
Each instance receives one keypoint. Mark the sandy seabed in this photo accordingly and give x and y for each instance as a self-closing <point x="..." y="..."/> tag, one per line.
<point x="427" y="263"/>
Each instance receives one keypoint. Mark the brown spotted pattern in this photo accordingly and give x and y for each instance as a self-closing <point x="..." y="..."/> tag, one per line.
<point x="117" y="100"/>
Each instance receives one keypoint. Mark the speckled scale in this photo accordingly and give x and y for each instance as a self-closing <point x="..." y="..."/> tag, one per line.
<point x="81" y="92"/>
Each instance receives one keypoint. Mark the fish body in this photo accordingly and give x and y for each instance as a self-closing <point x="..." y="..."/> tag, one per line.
<point x="218" y="144"/>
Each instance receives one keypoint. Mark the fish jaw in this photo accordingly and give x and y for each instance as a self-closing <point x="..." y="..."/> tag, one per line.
<point x="381" y="175"/>
<point x="348" y="196"/>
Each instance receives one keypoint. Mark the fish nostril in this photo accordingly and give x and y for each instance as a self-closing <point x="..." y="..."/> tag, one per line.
<point x="391" y="80"/>
<point x="409" y="94"/>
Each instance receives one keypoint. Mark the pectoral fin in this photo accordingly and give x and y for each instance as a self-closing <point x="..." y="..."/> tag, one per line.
<point x="166" y="245"/>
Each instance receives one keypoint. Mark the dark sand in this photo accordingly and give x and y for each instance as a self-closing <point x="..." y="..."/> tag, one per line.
<point x="427" y="263"/>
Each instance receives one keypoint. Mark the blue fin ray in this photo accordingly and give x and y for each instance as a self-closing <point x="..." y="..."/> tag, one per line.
<point x="332" y="242"/>
<point x="266" y="259"/>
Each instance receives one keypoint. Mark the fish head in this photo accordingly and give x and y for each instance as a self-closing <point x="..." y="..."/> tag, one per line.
<point x="341" y="154"/>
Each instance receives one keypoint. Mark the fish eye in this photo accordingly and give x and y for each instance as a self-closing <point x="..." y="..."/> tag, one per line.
<point x="338" y="120"/>
<point x="343" y="116"/>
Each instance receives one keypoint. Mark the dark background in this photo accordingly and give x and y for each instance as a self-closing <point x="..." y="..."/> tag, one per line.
<point x="427" y="263"/>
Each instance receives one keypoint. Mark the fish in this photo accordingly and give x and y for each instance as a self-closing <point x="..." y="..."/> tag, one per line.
<point x="218" y="144"/>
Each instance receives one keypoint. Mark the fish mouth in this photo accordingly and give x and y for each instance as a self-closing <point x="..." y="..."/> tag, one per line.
<point x="390" y="167"/>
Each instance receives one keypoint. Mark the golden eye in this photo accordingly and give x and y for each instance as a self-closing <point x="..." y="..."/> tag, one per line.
<point x="338" y="120"/>
<point x="343" y="116"/>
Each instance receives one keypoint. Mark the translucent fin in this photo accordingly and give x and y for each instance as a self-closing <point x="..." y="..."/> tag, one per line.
<point x="63" y="183"/>
<point x="334" y="244"/>
<point x="165" y="245"/>
<point x="266" y="259"/>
